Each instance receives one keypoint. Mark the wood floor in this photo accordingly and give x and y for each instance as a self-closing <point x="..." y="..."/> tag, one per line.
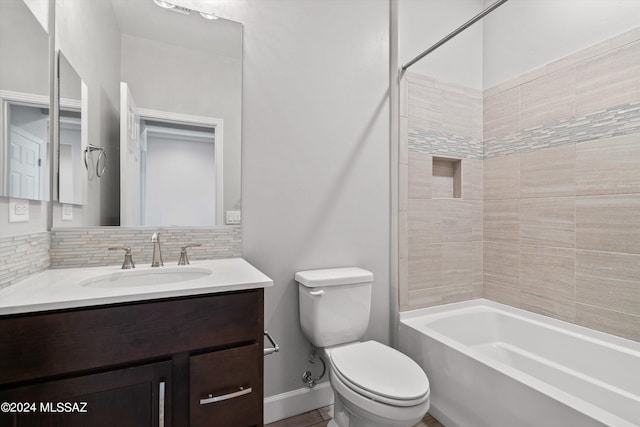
<point x="321" y="417"/>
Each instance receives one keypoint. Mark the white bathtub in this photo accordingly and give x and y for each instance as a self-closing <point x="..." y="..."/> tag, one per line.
<point x="497" y="366"/>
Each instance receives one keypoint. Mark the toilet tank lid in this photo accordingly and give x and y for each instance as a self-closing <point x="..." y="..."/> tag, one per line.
<point x="333" y="277"/>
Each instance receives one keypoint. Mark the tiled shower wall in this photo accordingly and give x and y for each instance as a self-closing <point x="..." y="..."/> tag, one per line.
<point x="562" y="189"/>
<point x="440" y="236"/>
<point x="559" y="196"/>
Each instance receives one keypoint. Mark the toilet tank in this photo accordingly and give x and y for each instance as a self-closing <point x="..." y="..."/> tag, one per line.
<point x="335" y="304"/>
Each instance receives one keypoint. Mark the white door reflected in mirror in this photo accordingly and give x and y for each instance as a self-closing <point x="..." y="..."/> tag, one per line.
<point x="171" y="166"/>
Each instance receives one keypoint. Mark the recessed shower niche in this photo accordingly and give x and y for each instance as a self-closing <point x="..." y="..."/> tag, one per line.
<point x="446" y="178"/>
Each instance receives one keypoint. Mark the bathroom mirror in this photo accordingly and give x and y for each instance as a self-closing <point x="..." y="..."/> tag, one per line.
<point x="24" y="102"/>
<point x="159" y="79"/>
<point x="74" y="160"/>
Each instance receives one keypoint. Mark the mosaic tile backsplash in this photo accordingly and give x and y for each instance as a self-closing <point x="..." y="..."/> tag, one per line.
<point x="88" y="247"/>
<point x="23" y="255"/>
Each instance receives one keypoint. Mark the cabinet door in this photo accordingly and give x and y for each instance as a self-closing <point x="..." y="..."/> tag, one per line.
<point x="226" y="388"/>
<point x="130" y="397"/>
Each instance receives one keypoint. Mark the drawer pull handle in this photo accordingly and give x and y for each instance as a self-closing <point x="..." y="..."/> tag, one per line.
<point x="161" y="392"/>
<point x="214" y="399"/>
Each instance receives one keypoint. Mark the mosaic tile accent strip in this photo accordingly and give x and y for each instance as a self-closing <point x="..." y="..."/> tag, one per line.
<point x="614" y="121"/>
<point x="23" y="255"/>
<point x="437" y="144"/>
<point x="88" y="247"/>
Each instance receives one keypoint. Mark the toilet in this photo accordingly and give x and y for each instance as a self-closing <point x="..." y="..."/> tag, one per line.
<point x="374" y="385"/>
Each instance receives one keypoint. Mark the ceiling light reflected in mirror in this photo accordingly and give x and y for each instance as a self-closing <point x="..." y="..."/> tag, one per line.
<point x="184" y="10"/>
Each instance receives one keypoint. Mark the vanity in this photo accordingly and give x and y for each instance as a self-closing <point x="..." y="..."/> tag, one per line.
<point x="101" y="346"/>
<point x="182" y="353"/>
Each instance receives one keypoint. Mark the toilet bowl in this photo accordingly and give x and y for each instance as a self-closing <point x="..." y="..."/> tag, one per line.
<point x="374" y="385"/>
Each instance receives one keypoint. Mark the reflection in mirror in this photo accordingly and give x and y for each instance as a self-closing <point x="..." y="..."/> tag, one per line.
<point x="24" y="103"/>
<point x="186" y="195"/>
<point x="72" y="176"/>
<point x="181" y="69"/>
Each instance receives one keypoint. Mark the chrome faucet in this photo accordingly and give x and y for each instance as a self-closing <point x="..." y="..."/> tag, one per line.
<point x="184" y="259"/>
<point x="128" y="259"/>
<point x="156" y="261"/>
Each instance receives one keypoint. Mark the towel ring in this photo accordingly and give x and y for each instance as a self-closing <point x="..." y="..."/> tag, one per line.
<point x="101" y="155"/>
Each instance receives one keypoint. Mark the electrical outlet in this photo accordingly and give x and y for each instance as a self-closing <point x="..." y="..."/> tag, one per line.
<point x="18" y="210"/>
<point x="233" y="217"/>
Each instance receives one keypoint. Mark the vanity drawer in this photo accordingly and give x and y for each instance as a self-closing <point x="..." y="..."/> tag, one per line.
<point x="225" y="388"/>
<point x="48" y="344"/>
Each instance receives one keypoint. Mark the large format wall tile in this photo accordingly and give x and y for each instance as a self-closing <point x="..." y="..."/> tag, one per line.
<point x="476" y="261"/>
<point x="502" y="113"/>
<point x="455" y="219"/>
<point x="420" y="174"/>
<point x="472" y="179"/>
<point x="552" y="306"/>
<point x="501" y="264"/>
<point x="501" y="221"/>
<point x="548" y="173"/>
<point x="548" y="222"/>
<point x="609" y="280"/>
<point x="425" y="266"/>
<point x="613" y="322"/>
<point x="503" y="294"/>
<point x="548" y="271"/>
<point x="438" y="296"/>
<point x="548" y="98"/>
<point x="457" y="264"/>
<point x="610" y="79"/>
<point x="608" y="223"/>
<point x="608" y="166"/>
<point x="424" y="223"/>
<point x="501" y="178"/>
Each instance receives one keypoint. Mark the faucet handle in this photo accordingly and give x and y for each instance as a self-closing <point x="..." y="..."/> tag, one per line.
<point x="128" y="259"/>
<point x="184" y="259"/>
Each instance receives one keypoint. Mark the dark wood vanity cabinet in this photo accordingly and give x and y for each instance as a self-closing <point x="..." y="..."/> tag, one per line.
<point x="195" y="361"/>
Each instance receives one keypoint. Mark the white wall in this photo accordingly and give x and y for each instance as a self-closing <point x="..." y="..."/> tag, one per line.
<point x="522" y="35"/>
<point x="315" y="155"/>
<point x="422" y="23"/>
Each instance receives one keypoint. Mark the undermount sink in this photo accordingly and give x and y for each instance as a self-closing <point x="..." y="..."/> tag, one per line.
<point x="135" y="278"/>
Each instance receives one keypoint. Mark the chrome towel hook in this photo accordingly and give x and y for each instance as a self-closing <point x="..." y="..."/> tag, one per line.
<point x="102" y="155"/>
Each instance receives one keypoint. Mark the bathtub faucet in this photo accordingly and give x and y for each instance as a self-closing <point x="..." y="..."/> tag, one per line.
<point x="156" y="261"/>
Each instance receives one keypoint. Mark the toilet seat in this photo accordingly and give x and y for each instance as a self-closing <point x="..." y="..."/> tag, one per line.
<point x="365" y="368"/>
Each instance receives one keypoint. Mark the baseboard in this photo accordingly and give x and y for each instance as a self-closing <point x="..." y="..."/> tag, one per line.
<point x="285" y="405"/>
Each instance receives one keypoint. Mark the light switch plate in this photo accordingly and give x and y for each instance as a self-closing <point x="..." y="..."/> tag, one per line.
<point x="18" y="210"/>
<point x="233" y="217"/>
<point x="67" y="212"/>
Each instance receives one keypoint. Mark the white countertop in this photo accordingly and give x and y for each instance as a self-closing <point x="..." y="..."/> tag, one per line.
<point x="63" y="288"/>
